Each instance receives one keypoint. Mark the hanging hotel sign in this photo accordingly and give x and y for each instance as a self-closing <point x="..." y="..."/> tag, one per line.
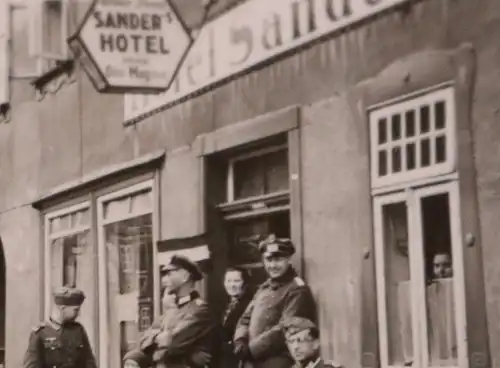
<point x="131" y="45"/>
<point x="249" y="35"/>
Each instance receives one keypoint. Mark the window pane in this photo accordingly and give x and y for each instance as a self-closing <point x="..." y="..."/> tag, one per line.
<point x="440" y="149"/>
<point x="382" y="163"/>
<point x="276" y="171"/>
<point x="72" y="264"/>
<point x="410" y="123"/>
<point x="116" y="208"/>
<point x="396" y="127"/>
<point x="129" y="256"/>
<point x="396" y="159"/>
<point x="425" y="122"/>
<point x="397" y="284"/>
<point x="248" y="178"/>
<point x="52" y="26"/>
<point x="410" y="156"/>
<point x="441" y="333"/>
<point x="261" y="175"/>
<point x="440" y="115"/>
<point x="142" y="202"/>
<point x="425" y="153"/>
<point x="21" y="62"/>
<point x="382" y="131"/>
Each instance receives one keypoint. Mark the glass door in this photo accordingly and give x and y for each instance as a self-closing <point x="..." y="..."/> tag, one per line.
<point x="126" y="270"/>
<point x="442" y="291"/>
<point x="419" y="271"/>
<point x="394" y="255"/>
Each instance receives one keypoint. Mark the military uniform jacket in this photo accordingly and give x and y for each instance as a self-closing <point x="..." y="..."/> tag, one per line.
<point x="274" y="301"/>
<point x="319" y="363"/>
<point x="185" y="332"/>
<point x="59" y="346"/>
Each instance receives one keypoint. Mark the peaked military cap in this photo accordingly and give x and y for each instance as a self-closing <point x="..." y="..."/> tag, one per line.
<point x="294" y="325"/>
<point x="274" y="245"/>
<point x="68" y="296"/>
<point x="178" y="261"/>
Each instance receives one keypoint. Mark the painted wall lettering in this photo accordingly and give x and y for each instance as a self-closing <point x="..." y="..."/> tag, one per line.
<point x="250" y="34"/>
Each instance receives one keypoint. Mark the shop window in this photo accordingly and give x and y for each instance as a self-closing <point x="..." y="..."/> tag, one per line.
<point x="69" y="258"/>
<point x="418" y="250"/>
<point x="413" y="139"/>
<point x="126" y="271"/>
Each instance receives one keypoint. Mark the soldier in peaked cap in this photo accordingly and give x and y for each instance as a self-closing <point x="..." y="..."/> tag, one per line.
<point x="61" y="342"/>
<point x="186" y="333"/>
<point x="302" y="339"/>
<point x="258" y="339"/>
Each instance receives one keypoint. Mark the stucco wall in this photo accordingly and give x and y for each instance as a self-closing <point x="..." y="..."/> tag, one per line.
<point x="77" y="131"/>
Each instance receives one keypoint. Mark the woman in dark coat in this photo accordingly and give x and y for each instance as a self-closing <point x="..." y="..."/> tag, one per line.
<point x="237" y="289"/>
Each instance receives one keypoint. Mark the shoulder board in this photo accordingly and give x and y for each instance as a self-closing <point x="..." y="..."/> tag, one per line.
<point x="199" y="302"/>
<point x="38" y="327"/>
<point x="299" y="281"/>
<point x="333" y="364"/>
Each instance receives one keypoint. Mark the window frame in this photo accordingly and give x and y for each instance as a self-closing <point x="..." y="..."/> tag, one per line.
<point x="411" y="197"/>
<point x="5" y="44"/>
<point x="400" y="105"/>
<point x="230" y="183"/>
<point x="27" y="73"/>
<point x="102" y="292"/>
<point x="36" y="40"/>
<point x="47" y="253"/>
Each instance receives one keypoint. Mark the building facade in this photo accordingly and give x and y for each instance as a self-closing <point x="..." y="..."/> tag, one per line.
<point x="364" y="130"/>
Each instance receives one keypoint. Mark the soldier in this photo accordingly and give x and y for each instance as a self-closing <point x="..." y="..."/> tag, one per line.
<point x="258" y="339"/>
<point x="61" y="342"/>
<point x="185" y="337"/>
<point x="302" y="339"/>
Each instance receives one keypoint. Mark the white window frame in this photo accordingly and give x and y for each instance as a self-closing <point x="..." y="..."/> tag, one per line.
<point x="102" y="264"/>
<point x="36" y="41"/>
<point x="48" y="245"/>
<point x="28" y="73"/>
<point x="412" y="196"/>
<point x="404" y="103"/>
<point x="5" y="37"/>
<point x="230" y="172"/>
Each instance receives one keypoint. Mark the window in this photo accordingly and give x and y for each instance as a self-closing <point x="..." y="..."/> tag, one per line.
<point x="49" y="32"/>
<point x="413" y="139"/>
<point x="418" y="250"/>
<point x="105" y="246"/>
<point x="258" y="204"/>
<point x="126" y="271"/>
<point x="69" y="258"/>
<point x="22" y="64"/>
<point x="4" y="54"/>
<point x="258" y="173"/>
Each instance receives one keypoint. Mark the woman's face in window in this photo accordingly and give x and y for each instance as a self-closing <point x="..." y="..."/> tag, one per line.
<point x="442" y="266"/>
<point x="234" y="283"/>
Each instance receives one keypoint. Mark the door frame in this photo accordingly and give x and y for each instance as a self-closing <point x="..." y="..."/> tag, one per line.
<point x="412" y="196"/>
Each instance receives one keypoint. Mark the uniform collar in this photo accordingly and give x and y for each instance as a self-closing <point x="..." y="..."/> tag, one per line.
<point x="310" y="364"/>
<point x="186" y="299"/>
<point x="313" y="363"/>
<point x="54" y="324"/>
<point x="288" y="276"/>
